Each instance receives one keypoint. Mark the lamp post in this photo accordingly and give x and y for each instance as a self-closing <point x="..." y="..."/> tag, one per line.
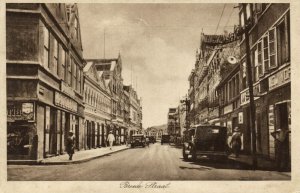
<point x="250" y="83"/>
<point x="186" y="101"/>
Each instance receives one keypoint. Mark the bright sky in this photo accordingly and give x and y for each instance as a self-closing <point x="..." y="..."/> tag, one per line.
<point x="158" y="41"/>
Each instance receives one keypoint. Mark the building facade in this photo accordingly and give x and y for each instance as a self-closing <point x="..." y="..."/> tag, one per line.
<point x="135" y="111"/>
<point x="44" y="79"/>
<point x="97" y="100"/>
<point x="269" y="41"/>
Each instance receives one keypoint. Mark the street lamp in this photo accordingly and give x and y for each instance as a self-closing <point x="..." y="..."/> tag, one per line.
<point x="186" y="101"/>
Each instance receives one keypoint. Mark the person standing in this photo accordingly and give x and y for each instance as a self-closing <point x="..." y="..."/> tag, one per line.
<point x="110" y="139"/>
<point x="70" y="145"/>
<point x="236" y="142"/>
<point x="282" y="148"/>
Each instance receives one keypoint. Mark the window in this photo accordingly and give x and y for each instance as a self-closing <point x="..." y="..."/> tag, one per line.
<point x="265" y="54"/>
<point x="79" y="80"/>
<point x="256" y="64"/>
<point x="70" y="72"/>
<point x="63" y="64"/>
<point x="76" y="28"/>
<point x="259" y="58"/>
<point x="283" y="41"/>
<point x="248" y="11"/>
<point x="46" y="47"/>
<point x="244" y="79"/>
<point x="74" y="78"/>
<point x="242" y="19"/>
<point x="272" y="48"/>
<point x="55" y="56"/>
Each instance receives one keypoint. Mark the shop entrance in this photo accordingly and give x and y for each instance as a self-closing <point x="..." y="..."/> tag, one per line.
<point x="18" y="142"/>
<point x="282" y="121"/>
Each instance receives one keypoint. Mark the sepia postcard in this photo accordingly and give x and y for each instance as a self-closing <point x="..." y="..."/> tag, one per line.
<point x="149" y="96"/>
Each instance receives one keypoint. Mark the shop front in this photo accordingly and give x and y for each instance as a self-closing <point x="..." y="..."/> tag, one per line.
<point x="21" y="130"/>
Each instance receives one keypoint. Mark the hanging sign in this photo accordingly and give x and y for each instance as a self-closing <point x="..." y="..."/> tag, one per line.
<point x="214" y="40"/>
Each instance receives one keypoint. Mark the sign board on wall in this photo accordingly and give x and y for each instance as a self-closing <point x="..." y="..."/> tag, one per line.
<point x="20" y="111"/>
<point x="241" y="118"/>
<point x="280" y="78"/>
<point x="228" y="109"/>
<point x="65" y="102"/>
<point x="245" y="94"/>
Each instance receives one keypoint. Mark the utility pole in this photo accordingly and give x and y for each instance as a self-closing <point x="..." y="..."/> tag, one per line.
<point x="104" y="44"/>
<point x="250" y="84"/>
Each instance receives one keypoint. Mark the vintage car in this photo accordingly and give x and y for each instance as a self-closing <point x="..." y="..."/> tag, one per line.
<point x="152" y="139"/>
<point x="138" y="140"/>
<point x="208" y="141"/>
<point x="165" y="139"/>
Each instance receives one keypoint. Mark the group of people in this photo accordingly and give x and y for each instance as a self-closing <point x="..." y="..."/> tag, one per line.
<point x="281" y="144"/>
<point x="70" y="143"/>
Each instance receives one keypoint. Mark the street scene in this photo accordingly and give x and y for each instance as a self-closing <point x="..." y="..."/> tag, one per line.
<point x="158" y="162"/>
<point x="129" y="92"/>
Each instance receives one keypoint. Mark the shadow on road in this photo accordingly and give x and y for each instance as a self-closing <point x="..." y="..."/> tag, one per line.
<point x="225" y="164"/>
<point x="192" y="168"/>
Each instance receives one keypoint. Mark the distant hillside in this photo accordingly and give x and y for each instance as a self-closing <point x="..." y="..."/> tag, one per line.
<point x="159" y="127"/>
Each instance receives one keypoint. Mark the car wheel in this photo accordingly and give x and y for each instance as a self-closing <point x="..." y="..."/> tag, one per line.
<point x="194" y="156"/>
<point x="185" y="156"/>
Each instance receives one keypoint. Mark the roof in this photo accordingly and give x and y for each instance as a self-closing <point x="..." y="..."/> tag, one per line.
<point x="87" y="66"/>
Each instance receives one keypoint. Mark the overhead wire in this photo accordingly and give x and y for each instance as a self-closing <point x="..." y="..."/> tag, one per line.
<point x="220" y="18"/>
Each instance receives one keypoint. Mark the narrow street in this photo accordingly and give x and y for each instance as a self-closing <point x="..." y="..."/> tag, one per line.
<point x="158" y="162"/>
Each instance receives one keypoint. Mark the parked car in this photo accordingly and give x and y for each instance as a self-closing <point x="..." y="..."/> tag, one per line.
<point x="152" y="139"/>
<point x="138" y="140"/>
<point x="165" y="139"/>
<point x="205" y="140"/>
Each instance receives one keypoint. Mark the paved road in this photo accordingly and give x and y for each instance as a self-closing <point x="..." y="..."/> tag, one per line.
<point x="158" y="162"/>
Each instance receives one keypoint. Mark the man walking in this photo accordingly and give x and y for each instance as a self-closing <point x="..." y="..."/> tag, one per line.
<point x="70" y="145"/>
<point x="236" y="142"/>
<point x="110" y="139"/>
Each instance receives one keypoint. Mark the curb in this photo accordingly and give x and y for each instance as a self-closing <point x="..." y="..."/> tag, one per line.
<point x="43" y="162"/>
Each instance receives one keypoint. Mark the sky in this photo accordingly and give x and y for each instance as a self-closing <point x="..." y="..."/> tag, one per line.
<point x="157" y="43"/>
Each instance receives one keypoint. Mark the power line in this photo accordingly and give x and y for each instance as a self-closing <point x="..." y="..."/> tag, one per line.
<point x="229" y="17"/>
<point x="220" y="18"/>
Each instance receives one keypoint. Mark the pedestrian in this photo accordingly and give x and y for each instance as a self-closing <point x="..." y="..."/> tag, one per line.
<point x="110" y="139"/>
<point x="236" y="142"/>
<point x="147" y="141"/>
<point x="282" y="148"/>
<point x="70" y="145"/>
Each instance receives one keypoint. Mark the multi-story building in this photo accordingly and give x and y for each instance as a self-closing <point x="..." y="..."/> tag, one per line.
<point x="191" y="98"/>
<point x="173" y="122"/>
<point x="269" y="42"/>
<point x="229" y="102"/>
<point x="44" y="79"/>
<point x="111" y="71"/>
<point x="182" y="118"/>
<point x="97" y="100"/>
<point x="135" y="111"/>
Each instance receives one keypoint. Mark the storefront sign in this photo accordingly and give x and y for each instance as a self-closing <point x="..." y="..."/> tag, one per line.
<point x="213" y="113"/>
<point x="228" y="109"/>
<point x="219" y="39"/>
<point x="65" y="102"/>
<point x="67" y="90"/>
<point x="245" y="94"/>
<point x="20" y="111"/>
<point x="280" y="78"/>
<point x="241" y="118"/>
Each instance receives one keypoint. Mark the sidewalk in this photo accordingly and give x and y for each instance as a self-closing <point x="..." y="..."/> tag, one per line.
<point x="262" y="163"/>
<point x="83" y="155"/>
<point x="78" y="157"/>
